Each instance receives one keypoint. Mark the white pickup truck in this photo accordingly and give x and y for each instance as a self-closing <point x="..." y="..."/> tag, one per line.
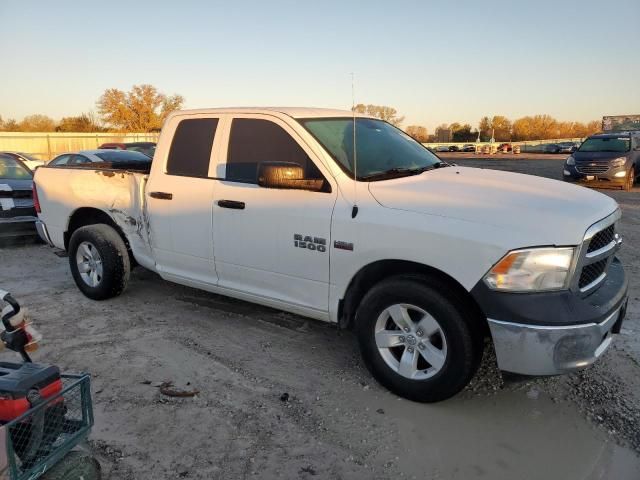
<point x="421" y="258"/>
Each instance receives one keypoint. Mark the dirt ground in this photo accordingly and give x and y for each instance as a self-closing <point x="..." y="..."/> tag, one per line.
<point x="285" y="397"/>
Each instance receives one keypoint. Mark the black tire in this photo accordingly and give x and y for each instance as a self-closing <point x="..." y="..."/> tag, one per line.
<point x="462" y="330"/>
<point x="114" y="260"/>
<point x="76" y="465"/>
<point x="631" y="178"/>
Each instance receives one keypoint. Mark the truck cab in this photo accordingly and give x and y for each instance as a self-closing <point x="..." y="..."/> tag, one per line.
<point x="344" y="218"/>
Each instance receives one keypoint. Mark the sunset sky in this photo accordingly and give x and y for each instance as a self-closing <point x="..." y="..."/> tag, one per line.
<point x="436" y="62"/>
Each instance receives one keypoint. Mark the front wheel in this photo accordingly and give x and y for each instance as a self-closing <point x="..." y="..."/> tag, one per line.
<point x="99" y="261"/>
<point x="416" y="341"/>
<point x="631" y="178"/>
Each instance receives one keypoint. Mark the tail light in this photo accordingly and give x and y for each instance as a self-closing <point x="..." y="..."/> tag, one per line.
<point x="36" y="201"/>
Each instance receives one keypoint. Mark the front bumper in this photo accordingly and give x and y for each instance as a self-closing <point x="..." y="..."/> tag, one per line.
<point x="548" y="333"/>
<point x="551" y="350"/>
<point x="608" y="179"/>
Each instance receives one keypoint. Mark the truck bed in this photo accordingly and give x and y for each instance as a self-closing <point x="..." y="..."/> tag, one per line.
<point x="119" y="193"/>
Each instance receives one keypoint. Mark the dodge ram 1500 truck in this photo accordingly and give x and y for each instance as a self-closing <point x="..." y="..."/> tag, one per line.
<point x="347" y="219"/>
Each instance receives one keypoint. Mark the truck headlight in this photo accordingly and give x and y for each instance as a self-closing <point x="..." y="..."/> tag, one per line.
<point x="618" y="162"/>
<point x="532" y="270"/>
<point x="571" y="160"/>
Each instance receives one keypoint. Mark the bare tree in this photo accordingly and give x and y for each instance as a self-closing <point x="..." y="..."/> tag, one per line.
<point x="418" y="133"/>
<point x="388" y="114"/>
<point x="37" y="123"/>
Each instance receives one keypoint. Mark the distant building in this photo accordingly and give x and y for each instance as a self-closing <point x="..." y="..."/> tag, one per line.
<point x="444" y="135"/>
<point x="612" y="123"/>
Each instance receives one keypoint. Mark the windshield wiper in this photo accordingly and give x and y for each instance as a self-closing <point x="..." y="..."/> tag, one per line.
<point x="398" y="172"/>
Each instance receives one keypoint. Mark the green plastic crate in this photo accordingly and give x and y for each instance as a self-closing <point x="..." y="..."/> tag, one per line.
<point x="41" y="437"/>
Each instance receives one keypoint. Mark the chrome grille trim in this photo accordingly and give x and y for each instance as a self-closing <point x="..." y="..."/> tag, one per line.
<point x="593" y="169"/>
<point x="585" y="258"/>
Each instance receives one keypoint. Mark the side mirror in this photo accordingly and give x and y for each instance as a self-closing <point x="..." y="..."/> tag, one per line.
<point x="286" y="175"/>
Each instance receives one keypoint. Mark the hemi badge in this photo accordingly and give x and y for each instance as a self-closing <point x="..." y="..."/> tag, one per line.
<point x="343" y="245"/>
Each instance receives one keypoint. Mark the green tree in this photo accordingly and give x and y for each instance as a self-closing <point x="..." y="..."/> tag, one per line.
<point x="37" y="123"/>
<point x="485" y="129"/>
<point x="382" y="112"/>
<point x="465" y="134"/>
<point x="140" y="110"/>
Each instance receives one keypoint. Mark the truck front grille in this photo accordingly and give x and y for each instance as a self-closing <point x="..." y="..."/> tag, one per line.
<point x="602" y="239"/>
<point x="590" y="273"/>
<point x="589" y="169"/>
<point x="596" y="254"/>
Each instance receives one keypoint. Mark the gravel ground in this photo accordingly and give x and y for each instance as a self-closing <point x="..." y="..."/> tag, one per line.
<point x="280" y="396"/>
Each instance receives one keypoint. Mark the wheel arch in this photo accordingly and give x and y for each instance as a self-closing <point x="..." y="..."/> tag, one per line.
<point x="373" y="273"/>
<point x="84" y="216"/>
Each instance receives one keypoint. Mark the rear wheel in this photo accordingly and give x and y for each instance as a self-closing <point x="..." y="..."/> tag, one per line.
<point x="99" y="261"/>
<point x="631" y="178"/>
<point x="417" y="342"/>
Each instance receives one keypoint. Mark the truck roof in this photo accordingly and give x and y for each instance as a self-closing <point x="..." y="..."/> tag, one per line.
<point x="294" y="112"/>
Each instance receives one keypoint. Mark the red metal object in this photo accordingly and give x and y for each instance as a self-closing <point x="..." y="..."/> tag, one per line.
<point x="11" y="408"/>
<point x="36" y="200"/>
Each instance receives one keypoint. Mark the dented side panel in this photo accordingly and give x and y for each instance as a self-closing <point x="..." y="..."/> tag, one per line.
<point x="120" y="194"/>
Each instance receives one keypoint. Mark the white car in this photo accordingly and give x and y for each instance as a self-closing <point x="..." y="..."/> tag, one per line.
<point x="442" y="148"/>
<point x="420" y="258"/>
<point x="30" y="161"/>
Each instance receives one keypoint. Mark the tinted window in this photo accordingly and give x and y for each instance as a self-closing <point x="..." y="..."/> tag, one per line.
<point x="123" y="156"/>
<point x="606" y="144"/>
<point x="78" y="160"/>
<point x="191" y="147"/>
<point x="255" y="141"/>
<point x="61" y="160"/>
<point x="12" y="169"/>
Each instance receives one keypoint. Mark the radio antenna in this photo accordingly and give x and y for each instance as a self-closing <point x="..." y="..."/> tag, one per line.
<point x="354" y="209"/>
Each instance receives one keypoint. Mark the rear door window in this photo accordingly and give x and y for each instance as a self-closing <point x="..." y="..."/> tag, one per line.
<point x="190" y="150"/>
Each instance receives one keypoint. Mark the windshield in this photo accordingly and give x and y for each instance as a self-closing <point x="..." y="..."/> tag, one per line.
<point x="606" y="144"/>
<point x="381" y="149"/>
<point x="123" y="156"/>
<point x="12" y="170"/>
<point x="29" y="157"/>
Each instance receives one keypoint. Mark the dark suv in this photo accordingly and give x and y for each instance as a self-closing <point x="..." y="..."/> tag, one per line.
<point x="605" y="159"/>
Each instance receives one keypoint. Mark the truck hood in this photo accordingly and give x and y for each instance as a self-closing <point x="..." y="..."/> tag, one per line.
<point x="552" y="211"/>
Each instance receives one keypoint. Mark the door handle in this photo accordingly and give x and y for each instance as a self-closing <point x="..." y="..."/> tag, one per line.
<point x="231" y="204"/>
<point x="161" y="195"/>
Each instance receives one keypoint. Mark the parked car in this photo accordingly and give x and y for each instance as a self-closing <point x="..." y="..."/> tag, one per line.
<point x="17" y="212"/>
<point x="442" y="148"/>
<point x="103" y="159"/>
<point x="568" y="147"/>
<point x="148" y="148"/>
<point x="610" y="159"/>
<point x="406" y="251"/>
<point x="550" y="148"/>
<point x="469" y="147"/>
<point x="454" y="148"/>
<point x="29" y="161"/>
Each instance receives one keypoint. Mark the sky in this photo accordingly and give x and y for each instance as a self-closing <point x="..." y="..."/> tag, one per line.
<point x="435" y="62"/>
